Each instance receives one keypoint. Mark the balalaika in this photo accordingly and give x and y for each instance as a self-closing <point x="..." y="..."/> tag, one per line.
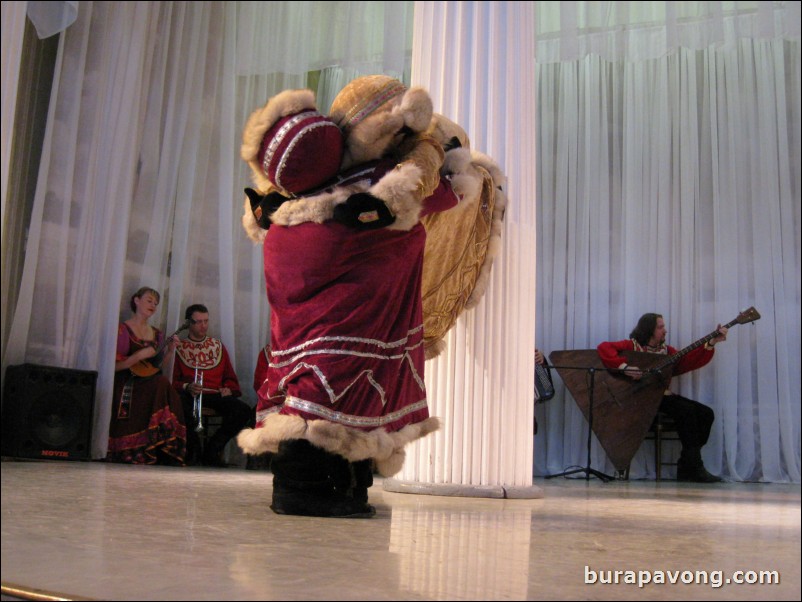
<point x="147" y="368"/>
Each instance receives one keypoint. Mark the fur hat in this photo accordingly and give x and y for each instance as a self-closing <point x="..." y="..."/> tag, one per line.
<point x="373" y="111"/>
<point x="290" y="146"/>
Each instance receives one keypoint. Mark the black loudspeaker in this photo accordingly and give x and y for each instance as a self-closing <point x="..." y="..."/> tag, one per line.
<point x="47" y="412"/>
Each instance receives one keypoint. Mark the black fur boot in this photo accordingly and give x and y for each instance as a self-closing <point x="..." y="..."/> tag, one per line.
<point x="353" y="479"/>
<point x="308" y="481"/>
<point x="363" y="479"/>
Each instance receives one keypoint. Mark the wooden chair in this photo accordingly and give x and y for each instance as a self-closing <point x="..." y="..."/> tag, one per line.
<point x="662" y="430"/>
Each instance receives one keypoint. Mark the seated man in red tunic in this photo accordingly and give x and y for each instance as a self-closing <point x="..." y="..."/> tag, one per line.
<point x="693" y="419"/>
<point x="202" y="371"/>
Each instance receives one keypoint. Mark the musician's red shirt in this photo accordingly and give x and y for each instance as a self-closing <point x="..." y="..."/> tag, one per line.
<point x="610" y="355"/>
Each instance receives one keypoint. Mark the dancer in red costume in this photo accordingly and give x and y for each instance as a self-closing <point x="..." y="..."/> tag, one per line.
<point x="343" y="261"/>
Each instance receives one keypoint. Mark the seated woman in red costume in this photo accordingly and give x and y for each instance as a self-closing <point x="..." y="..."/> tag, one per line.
<point x="147" y="421"/>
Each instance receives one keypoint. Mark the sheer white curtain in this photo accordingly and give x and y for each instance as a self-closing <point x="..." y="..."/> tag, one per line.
<point x="343" y="40"/>
<point x="50" y="17"/>
<point x="635" y="31"/>
<point x="673" y="185"/>
<point x="13" y="28"/>
<point x="141" y="181"/>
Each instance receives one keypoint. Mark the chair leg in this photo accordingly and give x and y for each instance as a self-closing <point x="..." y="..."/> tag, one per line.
<point x="658" y="451"/>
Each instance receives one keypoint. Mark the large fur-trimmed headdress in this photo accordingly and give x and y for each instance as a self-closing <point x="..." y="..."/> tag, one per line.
<point x="375" y="114"/>
<point x="290" y="146"/>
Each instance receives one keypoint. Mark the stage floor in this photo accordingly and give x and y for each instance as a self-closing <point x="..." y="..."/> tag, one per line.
<point x="90" y="530"/>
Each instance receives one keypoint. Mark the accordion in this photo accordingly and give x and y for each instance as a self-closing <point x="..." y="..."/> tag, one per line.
<point x="544" y="387"/>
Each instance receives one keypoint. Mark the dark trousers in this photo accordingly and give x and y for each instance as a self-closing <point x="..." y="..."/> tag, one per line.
<point x="236" y="416"/>
<point x="693" y="419"/>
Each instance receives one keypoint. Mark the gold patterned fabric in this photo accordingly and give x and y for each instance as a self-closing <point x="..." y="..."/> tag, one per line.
<point x="460" y="243"/>
<point x="456" y="251"/>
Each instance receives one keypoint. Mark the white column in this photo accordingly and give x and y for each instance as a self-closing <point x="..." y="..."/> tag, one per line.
<point x="477" y="61"/>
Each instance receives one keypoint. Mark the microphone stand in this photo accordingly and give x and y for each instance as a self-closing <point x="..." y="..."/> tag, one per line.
<point x="587" y="468"/>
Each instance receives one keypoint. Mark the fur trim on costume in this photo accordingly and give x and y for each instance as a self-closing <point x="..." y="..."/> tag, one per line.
<point x="456" y="161"/>
<point x="254" y="231"/>
<point x="384" y="448"/>
<point x="398" y="188"/>
<point x="282" y="104"/>
<point x="443" y="130"/>
<point x="481" y="159"/>
<point x="417" y="108"/>
<point x="317" y="208"/>
<point x="372" y="138"/>
<point x="466" y="180"/>
<point x="375" y="135"/>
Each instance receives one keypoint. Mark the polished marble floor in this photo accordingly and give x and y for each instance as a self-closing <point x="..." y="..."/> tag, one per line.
<point x="89" y="530"/>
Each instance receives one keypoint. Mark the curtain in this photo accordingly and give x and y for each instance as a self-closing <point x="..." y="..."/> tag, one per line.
<point x="51" y="17"/>
<point x="673" y="185"/>
<point x="636" y="31"/>
<point x="141" y="181"/>
<point x="13" y="24"/>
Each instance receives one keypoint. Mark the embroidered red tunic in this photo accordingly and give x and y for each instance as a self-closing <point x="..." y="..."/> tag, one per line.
<point x="210" y="356"/>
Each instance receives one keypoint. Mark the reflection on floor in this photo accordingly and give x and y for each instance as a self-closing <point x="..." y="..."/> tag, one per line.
<point x="88" y="530"/>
